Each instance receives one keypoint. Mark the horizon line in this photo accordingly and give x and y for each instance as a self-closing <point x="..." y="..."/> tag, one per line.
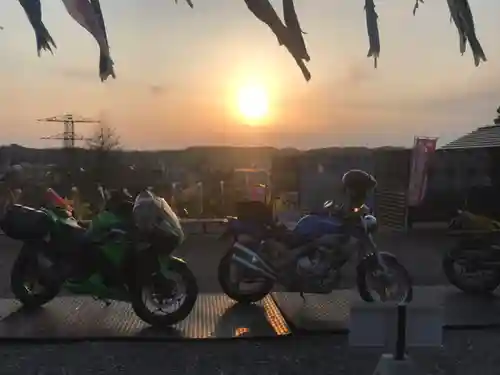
<point x="123" y="149"/>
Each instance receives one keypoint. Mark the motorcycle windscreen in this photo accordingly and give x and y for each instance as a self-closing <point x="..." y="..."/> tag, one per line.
<point x="154" y="214"/>
<point x="25" y="223"/>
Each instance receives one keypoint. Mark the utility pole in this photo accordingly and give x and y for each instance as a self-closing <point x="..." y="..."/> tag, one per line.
<point x="68" y="136"/>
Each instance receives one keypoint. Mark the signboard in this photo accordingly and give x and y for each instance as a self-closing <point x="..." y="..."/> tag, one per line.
<point x="423" y="149"/>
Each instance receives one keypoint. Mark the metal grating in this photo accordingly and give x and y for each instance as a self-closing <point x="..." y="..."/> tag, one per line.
<point x="330" y="313"/>
<point x="484" y="137"/>
<point x="76" y="318"/>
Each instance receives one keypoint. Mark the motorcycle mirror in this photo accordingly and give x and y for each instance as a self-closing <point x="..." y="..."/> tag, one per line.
<point x="328" y="204"/>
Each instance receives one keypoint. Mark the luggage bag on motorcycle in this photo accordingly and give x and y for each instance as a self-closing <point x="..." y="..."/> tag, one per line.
<point x="25" y="223"/>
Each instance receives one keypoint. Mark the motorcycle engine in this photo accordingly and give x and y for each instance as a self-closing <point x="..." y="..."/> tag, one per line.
<point x="319" y="263"/>
<point x="319" y="272"/>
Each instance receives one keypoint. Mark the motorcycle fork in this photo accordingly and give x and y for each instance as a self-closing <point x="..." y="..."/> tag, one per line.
<point x="380" y="274"/>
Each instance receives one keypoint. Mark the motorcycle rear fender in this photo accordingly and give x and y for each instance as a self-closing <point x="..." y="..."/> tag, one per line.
<point x="33" y="250"/>
<point x="33" y="247"/>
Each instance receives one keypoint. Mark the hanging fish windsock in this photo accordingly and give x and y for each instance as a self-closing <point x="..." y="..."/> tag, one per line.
<point x="459" y="24"/>
<point x="372" y="28"/>
<point x="461" y="15"/>
<point x="293" y="25"/>
<point x="190" y="3"/>
<point x="105" y="61"/>
<point x="264" y="11"/>
<point x="417" y="5"/>
<point x="89" y="15"/>
<point x="33" y="10"/>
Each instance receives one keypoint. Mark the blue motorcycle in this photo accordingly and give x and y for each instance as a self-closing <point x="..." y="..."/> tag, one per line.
<point x="309" y="257"/>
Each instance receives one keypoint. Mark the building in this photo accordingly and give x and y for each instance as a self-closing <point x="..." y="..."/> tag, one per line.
<point x="316" y="176"/>
<point x="472" y="160"/>
<point x="320" y="176"/>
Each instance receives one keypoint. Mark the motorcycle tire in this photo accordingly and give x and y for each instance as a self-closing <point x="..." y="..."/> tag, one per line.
<point x="223" y="274"/>
<point x="179" y="268"/>
<point x="20" y="275"/>
<point x="391" y="262"/>
<point x="484" y="288"/>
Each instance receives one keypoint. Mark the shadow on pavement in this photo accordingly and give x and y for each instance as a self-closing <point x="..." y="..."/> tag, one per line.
<point x="244" y="321"/>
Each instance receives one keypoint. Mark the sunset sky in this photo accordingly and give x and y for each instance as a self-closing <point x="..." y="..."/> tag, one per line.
<point x="179" y="71"/>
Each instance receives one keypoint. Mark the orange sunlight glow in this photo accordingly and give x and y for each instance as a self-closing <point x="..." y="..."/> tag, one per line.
<point x="253" y="103"/>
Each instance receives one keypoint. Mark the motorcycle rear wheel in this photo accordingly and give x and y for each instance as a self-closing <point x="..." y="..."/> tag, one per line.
<point x="24" y="275"/>
<point x="233" y="290"/>
<point x="483" y="286"/>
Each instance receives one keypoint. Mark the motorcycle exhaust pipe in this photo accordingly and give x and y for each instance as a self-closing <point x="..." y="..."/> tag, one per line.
<point x="252" y="267"/>
<point x="252" y="261"/>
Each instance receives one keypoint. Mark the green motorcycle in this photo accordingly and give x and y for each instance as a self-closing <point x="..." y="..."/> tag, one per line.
<point x="119" y="256"/>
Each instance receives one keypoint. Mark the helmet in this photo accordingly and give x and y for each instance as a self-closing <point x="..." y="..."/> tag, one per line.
<point x="357" y="184"/>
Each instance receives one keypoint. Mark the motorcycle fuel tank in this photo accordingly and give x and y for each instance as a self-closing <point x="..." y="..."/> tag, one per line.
<point x="313" y="226"/>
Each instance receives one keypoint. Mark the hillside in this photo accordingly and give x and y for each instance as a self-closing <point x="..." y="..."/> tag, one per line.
<point x="195" y="158"/>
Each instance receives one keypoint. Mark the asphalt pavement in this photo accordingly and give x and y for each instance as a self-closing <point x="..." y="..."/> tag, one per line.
<point x="469" y="353"/>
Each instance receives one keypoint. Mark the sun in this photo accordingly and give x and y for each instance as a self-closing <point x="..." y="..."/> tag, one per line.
<point x="253" y="103"/>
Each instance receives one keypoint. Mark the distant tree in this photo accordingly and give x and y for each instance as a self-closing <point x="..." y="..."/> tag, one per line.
<point x="104" y="146"/>
<point x="104" y="140"/>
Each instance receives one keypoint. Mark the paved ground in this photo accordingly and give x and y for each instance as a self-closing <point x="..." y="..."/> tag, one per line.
<point x="471" y="353"/>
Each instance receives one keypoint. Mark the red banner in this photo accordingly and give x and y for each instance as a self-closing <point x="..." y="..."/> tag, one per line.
<point x="423" y="149"/>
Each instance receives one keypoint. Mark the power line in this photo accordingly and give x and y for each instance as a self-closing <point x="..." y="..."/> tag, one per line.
<point x="68" y="136"/>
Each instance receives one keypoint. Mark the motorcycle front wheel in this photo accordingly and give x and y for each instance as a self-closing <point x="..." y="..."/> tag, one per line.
<point x="468" y="278"/>
<point x="164" y="296"/>
<point x="230" y="280"/>
<point x="27" y="281"/>
<point x="374" y="284"/>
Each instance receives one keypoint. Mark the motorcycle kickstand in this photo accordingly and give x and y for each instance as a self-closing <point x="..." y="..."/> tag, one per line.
<point x="302" y="296"/>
